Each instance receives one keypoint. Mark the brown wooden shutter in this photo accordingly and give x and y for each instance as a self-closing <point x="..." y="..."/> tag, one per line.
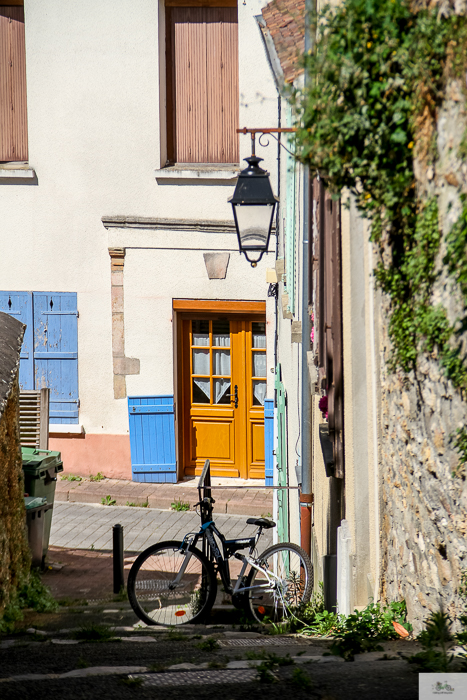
<point x="13" y="111"/>
<point x="202" y="84"/>
<point x="327" y="298"/>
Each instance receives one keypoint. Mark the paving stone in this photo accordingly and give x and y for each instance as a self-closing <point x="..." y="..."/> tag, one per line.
<point x="197" y="677"/>
<point x="32" y="630"/>
<point x="244" y="664"/>
<point x="262" y="642"/>
<point x="103" y="671"/>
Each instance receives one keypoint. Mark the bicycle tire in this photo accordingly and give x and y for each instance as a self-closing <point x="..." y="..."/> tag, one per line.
<point x="155" y="598"/>
<point x="295" y="587"/>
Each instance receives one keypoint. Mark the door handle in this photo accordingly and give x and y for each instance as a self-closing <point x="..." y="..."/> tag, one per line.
<point x="235" y="395"/>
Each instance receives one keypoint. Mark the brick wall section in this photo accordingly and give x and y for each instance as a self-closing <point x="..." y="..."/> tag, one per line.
<point x="15" y="558"/>
<point x="424" y="508"/>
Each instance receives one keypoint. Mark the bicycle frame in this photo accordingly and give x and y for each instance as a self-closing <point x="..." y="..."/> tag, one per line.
<point x="230" y="547"/>
<point x="207" y="532"/>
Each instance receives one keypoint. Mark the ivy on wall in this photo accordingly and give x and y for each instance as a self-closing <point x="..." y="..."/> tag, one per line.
<point x="377" y="77"/>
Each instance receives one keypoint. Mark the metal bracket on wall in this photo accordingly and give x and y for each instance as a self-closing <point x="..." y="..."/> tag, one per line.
<point x="273" y="290"/>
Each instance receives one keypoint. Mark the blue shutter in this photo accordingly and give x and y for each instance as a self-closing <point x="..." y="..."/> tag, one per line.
<point x="56" y="352"/>
<point x="19" y="305"/>
<point x="268" y="440"/>
<point x="152" y="438"/>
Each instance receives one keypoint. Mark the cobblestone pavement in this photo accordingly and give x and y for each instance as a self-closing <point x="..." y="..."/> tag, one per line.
<point x="51" y="661"/>
<point x="89" y="526"/>
<point x="80" y="550"/>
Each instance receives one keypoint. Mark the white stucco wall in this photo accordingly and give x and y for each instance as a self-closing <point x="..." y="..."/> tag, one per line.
<point x="93" y="99"/>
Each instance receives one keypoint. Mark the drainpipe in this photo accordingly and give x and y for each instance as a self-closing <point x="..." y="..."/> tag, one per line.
<point x="306" y="492"/>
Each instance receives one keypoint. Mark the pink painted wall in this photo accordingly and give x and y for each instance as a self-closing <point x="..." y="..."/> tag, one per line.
<point x="88" y="454"/>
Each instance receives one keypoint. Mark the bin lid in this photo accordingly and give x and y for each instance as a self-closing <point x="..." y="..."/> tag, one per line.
<point x="36" y="461"/>
<point x="34" y="502"/>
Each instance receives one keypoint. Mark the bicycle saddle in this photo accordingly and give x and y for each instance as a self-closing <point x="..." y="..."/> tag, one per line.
<point x="261" y="522"/>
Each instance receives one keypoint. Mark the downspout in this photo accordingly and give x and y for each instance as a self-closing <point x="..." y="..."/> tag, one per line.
<point x="306" y="491"/>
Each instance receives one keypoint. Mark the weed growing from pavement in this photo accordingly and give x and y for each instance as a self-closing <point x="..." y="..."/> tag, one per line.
<point x="158" y="667"/>
<point x="300" y="679"/>
<point x="218" y="663"/>
<point x="121" y="595"/>
<point x="94" y="633"/>
<point x="99" y="477"/>
<point x="137" y="505"/>
<point x="72" y="602"/>
<point x="108" y="501"/>
<point x="82" y="663"/>
<point x="132" y="682"/>
<point x="174" y="635"/>
<point x="180" y="505"/>
<point x="436" y="640"/>
<point x="267" y="672"/>
<point x="270" y="657"/>
<point x="208" y="644"/>
<point x="31" y="594"/>
<point x="71" y="477"/>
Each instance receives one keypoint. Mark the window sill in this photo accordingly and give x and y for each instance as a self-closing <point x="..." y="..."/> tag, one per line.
<point x="65" y="429"/>
<point x="203" y="171"/>
<point x="22" y="171"/>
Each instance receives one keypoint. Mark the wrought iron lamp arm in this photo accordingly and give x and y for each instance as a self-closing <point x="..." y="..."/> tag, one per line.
<point x="267" y="132"/>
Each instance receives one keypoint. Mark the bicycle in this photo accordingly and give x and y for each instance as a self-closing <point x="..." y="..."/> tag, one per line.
<point x="175" y="582"/>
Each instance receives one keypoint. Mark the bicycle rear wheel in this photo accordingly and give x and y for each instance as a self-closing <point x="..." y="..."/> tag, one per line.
<point x="285" y="581"/>
<point x="167" y="586"/>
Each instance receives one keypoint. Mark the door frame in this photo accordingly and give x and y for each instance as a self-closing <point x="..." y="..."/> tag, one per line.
<point x="187" y="308"/>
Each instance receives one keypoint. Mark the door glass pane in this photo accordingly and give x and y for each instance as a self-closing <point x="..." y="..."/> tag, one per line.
<point x="200" y="330"/>
<point x="259" y="364"/>
<point x="259" y="335"/>
<point x="221" y="362"/>
<point x="259" y="392"/>
<point x="201" y="362"/>
<point x="221" y="391"/>
<point x="201" y="390"/>
<point x="221" y="333"/>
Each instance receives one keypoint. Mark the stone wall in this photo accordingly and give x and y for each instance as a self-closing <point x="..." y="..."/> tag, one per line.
<point x="14" y="551"/>
<point x="424" y="507"/>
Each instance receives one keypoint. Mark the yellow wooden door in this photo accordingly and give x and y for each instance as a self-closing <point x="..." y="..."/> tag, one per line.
<point x="224" y="380"/>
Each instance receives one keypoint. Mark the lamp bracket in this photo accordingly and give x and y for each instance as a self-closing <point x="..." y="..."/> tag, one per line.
<point x="267" y="132"/>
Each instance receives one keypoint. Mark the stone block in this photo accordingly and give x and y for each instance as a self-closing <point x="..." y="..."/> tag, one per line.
<point x="285" y="303"/>
<point x="296" y="332"/>
<point x="216" y="265"/>
<point x="117" y="299"/>
<point x="126" y="365"/>
<point x="117" y="278"/>
<point x="119" y="386"/>
<point x="118" y="338"/>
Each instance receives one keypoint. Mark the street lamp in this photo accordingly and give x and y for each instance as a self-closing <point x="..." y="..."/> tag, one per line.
<point x="253" y="204"/>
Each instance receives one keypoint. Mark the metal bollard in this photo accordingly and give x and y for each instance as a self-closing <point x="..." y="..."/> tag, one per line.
<point x="119" y="581"/>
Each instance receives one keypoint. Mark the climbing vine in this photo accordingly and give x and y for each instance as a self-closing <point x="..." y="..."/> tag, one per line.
<point x="377" y="77"/>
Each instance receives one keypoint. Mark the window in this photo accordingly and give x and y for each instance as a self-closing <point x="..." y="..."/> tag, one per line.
<point x="13" y="113"/>
<point x="49" y="354"/>
<point x="202" y="83"/>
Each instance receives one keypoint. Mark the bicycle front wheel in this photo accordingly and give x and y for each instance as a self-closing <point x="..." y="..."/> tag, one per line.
<point x="284" y="582"/>
<point x="168" y="586"/>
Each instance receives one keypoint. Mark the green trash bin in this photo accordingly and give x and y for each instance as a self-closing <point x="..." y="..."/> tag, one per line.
<point x="36" y="513"/>
<point x="40" y="468"/>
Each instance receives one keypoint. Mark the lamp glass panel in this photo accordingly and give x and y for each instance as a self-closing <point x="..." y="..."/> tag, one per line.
<point x="254" y="222"/>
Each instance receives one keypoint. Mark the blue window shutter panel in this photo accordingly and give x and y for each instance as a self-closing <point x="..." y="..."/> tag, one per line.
<point x="152" y="438"/>
<point x="19" y="305"/>
<point x="56" y="352"/>
<point x="268" y="440"/>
